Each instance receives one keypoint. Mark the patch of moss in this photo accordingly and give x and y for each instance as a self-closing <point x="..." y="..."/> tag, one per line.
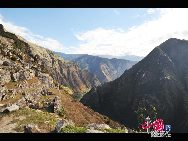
<point x="42" y="119"/>
<point x="73" y="129"/>
<point x="13" y="58"/>
<point x="61" y="112"/>
<point x="77" y="96"/>
<point x="66" y="89"/>
<point x="12" y="100"/>
<point x="111" y="130"/>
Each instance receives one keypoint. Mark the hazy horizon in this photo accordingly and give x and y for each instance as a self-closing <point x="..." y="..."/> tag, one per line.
<point x="97" y="31"/>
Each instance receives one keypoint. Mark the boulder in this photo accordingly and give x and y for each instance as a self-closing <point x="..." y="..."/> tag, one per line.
<point x="1" y="62"/>
<point x="50" y="93"/>
<point x="57" y="104"/>
<point x="23" y="75"/>
<point x="2" y="89"/>
<point x="46" y="79"/>
<point x="32" y="128"/>
<point x="2" y="96"/>
<point x="93" y="131"/>
<point x="11" y="108"/>
<point x="27" y="74"/>
<point x="61" y="124"/>
<point x="15" y="76"/>
<point x="1" y="105"/>
<point x="1" y="108"/>
<point x="6" y="63"/>
<point x="98" y="126"/>
<point x="5" y="76"/>
<point x="24" y="84"/>
<point x="21" y="102"/>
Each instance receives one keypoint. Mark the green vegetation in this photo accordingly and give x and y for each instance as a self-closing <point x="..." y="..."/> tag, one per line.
<point x="114" y="130"/>
<point x="66" y="89"/>
<point x="61" y="112"/>
<point x="77" y="96"/>
<point x="13" y="58"/>
<point x="144" y="111"/>
<point x="42" y="119"/>
<point x="73" y="129"/>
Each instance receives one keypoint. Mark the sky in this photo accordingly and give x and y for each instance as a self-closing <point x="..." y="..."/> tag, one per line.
<point x="97" y="31"/>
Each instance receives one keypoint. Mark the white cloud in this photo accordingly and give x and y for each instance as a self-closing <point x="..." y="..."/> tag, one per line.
<point x="46" y="42"/>
<point x="138" y="40"/>
<point x="151" y="11"/>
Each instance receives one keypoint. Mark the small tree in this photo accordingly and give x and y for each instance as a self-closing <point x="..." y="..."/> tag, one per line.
<point x="144" y="110"/>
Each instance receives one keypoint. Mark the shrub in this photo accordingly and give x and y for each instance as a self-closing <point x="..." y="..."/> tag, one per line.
<point x="67" y="89"/>
<point x="13" y="58"/>
<point x="73" y="129"/>
<point x="61" y="112"/>
<point x="144" y="110"/>
<point x="114" y="130"/>
<point x="77" y="96"/>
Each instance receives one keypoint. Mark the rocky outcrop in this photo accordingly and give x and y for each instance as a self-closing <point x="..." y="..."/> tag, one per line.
<point x="94" y="131"/>
<point x="46" y="79"/>
<point x="104" y="69"/>
<point x="22" y="75"/>
<point x="22" y="60"/>
<point x="32" y="128"/>
<point x="57" y="104"/>
<point x="37" y="85"/>
<point x="5" y="76"/>
<point x="61" y="124"/>
<point x="98" y="126"/>
<point x="11" y="108"/>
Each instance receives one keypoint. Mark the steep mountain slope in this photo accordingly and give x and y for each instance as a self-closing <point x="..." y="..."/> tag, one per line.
<point x="65" y="73"/>
<point x="156" y="86"/>
<point x="104" y="69"/>
<point x="33" y="88"/>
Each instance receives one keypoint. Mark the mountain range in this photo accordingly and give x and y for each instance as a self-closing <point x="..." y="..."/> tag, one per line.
<point x="37" y="88"/>
<point x="36" y="92"/>
<point x="71" y="57"/>
<point x="157" y="87"/>
<point x="103" y="68"/>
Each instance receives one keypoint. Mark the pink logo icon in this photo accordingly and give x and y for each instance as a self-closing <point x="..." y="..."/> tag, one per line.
<point x="157" y="125"/>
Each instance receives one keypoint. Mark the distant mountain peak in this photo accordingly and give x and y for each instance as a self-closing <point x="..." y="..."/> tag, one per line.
<point x="172" y="43"/>
<point x="159" y="80"/>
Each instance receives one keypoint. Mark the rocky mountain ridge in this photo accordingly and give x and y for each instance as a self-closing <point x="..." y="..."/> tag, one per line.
<point x="36" y="88"/>
<point x="103" y="68"/>
<point x="156" y="87"/>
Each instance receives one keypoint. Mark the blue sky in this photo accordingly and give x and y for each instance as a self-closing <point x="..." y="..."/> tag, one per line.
<point x="62" y="23"/>
<point x="104" y="31"/>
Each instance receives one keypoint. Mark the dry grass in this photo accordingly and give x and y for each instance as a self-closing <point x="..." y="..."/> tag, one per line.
<point x="12" y="85"/>
<point x="12" y="100"/>
<point x="76" y="111"/>
<point x="33" y="80"/>
<point x="73" y="110"/>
